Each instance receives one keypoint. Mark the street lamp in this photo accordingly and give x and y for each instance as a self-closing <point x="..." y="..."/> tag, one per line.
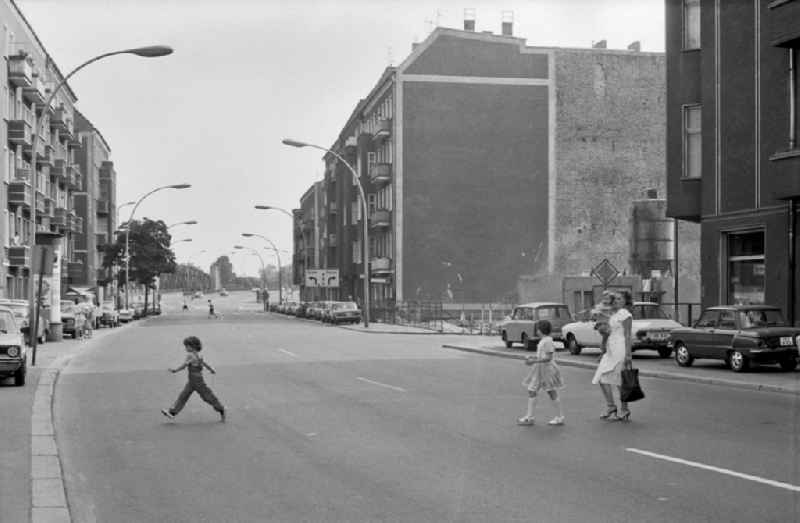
<point x="292" y="217"/>
<point x="298" y="144"/>
<point x="277" y="255"/>
<point x="263" y="267"/>
<point x="150" y="51"/>
<point x="128" y="229"/>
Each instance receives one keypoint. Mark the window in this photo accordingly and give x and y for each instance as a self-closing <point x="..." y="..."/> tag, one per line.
<point x="692" y="141"/>
<point x="371" y="205"/>
<point x="708" y="320"/>
<point x="727" y="320"/>
<point x="691" y="24"/>
<point x="746" y="268"/>
<point x="794" y="114"/>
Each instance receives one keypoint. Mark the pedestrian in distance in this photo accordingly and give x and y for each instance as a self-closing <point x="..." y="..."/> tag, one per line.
<point x="211" y="313"/>
<point x="194" y="364"/>
<point x="617" y="356"/>
<point x="544" y="375"/>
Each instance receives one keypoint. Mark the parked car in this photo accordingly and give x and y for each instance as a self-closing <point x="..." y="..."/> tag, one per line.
<point x="740" y="335"/>
<point x="302" y="309"/>
<point x="344" y="312"/>
<point x="13" y="353"/>
<point x="223" y="292"/>
<point x="313" y="310"/>
<point x="138" y="310"/>
<point x="69" y="324"/>
<point x="108" y="316"/>
<point x="521" y="326"/>
<point x="21" y="312"/>
<point x="650" y="329"/>
<point x="125" y="315"/>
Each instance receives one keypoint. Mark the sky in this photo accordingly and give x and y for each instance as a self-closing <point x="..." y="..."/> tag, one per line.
<point x="247" y="73"/>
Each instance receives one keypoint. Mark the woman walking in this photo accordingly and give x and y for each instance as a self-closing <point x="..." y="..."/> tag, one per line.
<point x="616" y="357"/>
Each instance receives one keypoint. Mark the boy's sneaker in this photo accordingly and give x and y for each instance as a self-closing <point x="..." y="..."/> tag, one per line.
<point x="167" y="413"/>
<point x="558" y="420"/>
<point x="525" y="420"/>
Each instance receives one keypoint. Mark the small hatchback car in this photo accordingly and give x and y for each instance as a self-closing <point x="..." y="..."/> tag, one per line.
<point x="13" y="355"/>
<point x="521" y="327"/>
<point x="739" y="335"/>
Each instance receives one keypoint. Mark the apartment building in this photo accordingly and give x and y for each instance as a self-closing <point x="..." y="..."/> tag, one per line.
<point x="485" y="160"/>
<point x="733" y="161"/>
<point x="95" y="203"/>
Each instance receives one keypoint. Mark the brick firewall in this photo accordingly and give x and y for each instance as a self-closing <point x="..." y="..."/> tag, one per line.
<point x="475" y="194"/>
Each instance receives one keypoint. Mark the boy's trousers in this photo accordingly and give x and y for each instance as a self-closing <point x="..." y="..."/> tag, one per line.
<point x="197" y="384"/>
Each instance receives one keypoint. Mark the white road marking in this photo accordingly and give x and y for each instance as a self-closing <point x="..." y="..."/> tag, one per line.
<point x="379" y="384"/>
<point x="289" y="353"/>
<point x="757" y="479"/>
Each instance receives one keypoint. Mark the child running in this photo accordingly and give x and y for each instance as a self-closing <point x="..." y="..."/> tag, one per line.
<point x="545" y="375"/>
<point x="194" y="363"/>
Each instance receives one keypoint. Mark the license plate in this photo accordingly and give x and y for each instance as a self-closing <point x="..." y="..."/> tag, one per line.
<point x="787" y="341"/>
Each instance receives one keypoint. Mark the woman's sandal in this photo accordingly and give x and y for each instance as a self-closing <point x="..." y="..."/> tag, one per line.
<point x="625" y="416"/>
<point x="611" y="413"/>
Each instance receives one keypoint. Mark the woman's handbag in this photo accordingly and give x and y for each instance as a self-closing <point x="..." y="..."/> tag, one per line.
<point x="630" y="390"/>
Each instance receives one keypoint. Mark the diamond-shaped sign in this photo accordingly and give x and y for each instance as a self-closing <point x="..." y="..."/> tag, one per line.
<point x="605" y="272"/>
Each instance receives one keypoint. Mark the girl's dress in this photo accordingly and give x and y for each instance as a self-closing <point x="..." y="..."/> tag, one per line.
<point x="610" y="367"/>
<point x="544" y="376"/>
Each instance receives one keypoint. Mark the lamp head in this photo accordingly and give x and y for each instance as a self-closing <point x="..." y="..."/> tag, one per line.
<point x="190" y="222"/>
<point x="238" y="246"/>
<point x="293" y="143"/>
<point x="151" y="51"/>
<point x="248" y="234"/>
<point x="264" y="207"/>
<point x="179" y="186"/>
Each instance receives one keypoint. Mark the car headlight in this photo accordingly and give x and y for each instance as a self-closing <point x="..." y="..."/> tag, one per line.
<point x="13" y="351"/>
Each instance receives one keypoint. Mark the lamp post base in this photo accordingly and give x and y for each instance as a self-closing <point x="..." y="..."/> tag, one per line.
<point x="56" y="332"/>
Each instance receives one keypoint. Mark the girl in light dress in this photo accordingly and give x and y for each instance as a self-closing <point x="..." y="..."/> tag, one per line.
<point x="616" y="357"/>
<point x="545" y="375"/>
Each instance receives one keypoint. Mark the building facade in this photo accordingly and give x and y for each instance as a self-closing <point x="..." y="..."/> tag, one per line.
<point x="733" y="162"/>
<point x="485" y="160"/>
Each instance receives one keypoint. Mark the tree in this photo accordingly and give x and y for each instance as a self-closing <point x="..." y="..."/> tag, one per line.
<point x="150" y="253"/>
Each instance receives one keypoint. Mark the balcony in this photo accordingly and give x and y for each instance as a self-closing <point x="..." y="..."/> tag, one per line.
<point x="20" y="71"/>
<point x="102" y="207"/>
<point x="41" y="149"/>
<point x="19" y="193"/>
<point x="383" y="129"/>
<point x="49" y="206"/>
<point x="101" y="240"/>
<point x="381" y="265"/>
<point x="20" y="128"/>
<point x="34" y="93"/>
<point x="380" y="173"/>
<point x="59" y="218"/>
<point x="22" y="173"/>
<point x="380" y="219"/>
<point x="59" y="170"/>
<point x="73" y="177"/>
<point x="60" y="120"/>
<point x="19" y="256"/>
<point x="333" y="208"/>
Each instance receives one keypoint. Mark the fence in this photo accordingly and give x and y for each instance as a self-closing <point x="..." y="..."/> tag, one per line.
<point x="688" y="312"/>
<point x="456" y="318"/>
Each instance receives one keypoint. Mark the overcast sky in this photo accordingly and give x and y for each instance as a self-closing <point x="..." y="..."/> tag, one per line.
<point x="246" y="73"/>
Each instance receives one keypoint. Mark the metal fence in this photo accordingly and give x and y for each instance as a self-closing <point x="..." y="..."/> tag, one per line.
<point x="456" y="318"/>
<point x="688" y="312"/>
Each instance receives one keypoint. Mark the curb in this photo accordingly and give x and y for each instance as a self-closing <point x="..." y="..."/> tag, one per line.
<point x="430" y="333"/>
<point x="644" y="373"/>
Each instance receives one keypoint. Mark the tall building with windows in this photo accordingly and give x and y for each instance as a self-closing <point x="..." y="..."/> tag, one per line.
<point x="733" y="161"/>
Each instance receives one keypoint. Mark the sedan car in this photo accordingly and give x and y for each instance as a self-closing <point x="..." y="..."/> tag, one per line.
<point x="125" y="315"/>
<point x="740" y="335"/>
<point x="108" y="315"/>
<point x="21" y="312"/>
<point x="521" y="327"/>
<point x="13" y="355"/>
<point x="69" y="319"/>
<point x="650" y="329"/>
<point x="343" y="312"/>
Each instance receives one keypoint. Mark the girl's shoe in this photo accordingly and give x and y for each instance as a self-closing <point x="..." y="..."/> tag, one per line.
<point x="167" y="413"/>
<point x="222" y="415"/>
<point x="625" y="416"/>
<point x="525" y="420"/>
<point x="558" y="420"/>
<point x="611" y="413"/>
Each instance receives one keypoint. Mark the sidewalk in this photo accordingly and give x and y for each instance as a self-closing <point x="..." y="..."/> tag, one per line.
<point x="767" y="378"/>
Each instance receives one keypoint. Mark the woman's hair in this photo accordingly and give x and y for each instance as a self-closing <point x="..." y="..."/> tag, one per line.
<point x="544" y="327"/>
<point x="193" y="342"/>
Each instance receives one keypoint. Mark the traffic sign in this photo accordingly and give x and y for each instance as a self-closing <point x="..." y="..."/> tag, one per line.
<point x="605" y="272"/>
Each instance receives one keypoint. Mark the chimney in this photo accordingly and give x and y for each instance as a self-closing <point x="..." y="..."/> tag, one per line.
<point x="469" y="20"/>
<point x="602" y="44"/>
<point x="507" y="28"/>
<point x="635" y="46"/>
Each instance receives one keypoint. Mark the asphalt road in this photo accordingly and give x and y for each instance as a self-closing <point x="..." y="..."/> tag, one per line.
<point x="327" y="424"/>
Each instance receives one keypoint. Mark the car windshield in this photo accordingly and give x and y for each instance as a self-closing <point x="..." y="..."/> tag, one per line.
<point x="649" y="312"/>
<point x="551" y="313"/>
<point x="6" y="322"/>
<point x="346" y="306"/>
<point x="753" y="319"/>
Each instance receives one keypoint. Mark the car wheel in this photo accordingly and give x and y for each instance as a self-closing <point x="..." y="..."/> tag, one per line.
<point x="504" y="336"/>
<point x="19" y="376"/>
<point x="682" y="355"/>
<point x="664" y="352"/>
<point x="789" y="364"/>
<point x="572" y="345"/>
<point x="738" y="361"/>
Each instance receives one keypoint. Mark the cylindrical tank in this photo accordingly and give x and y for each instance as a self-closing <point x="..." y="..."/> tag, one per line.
<point x="653" y="237"/>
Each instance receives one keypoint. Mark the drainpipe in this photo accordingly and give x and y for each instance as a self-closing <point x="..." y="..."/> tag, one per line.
<point x="677" y="314"/>
<point x="791" y="233"/>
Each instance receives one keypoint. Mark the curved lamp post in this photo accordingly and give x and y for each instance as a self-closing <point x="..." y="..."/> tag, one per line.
<point x="150" y="51"/>
<point x="128" y="229"/>
<point x="263" y="267"/>
<point x="365" y="260"/>
<point x="293" y="218"/>
<point x="277" y="255"/>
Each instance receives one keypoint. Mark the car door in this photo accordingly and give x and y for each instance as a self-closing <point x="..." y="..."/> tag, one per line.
<point x="722" y="337"/>
<point x="700" y="340"/>
<point x="514" y="325"/>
